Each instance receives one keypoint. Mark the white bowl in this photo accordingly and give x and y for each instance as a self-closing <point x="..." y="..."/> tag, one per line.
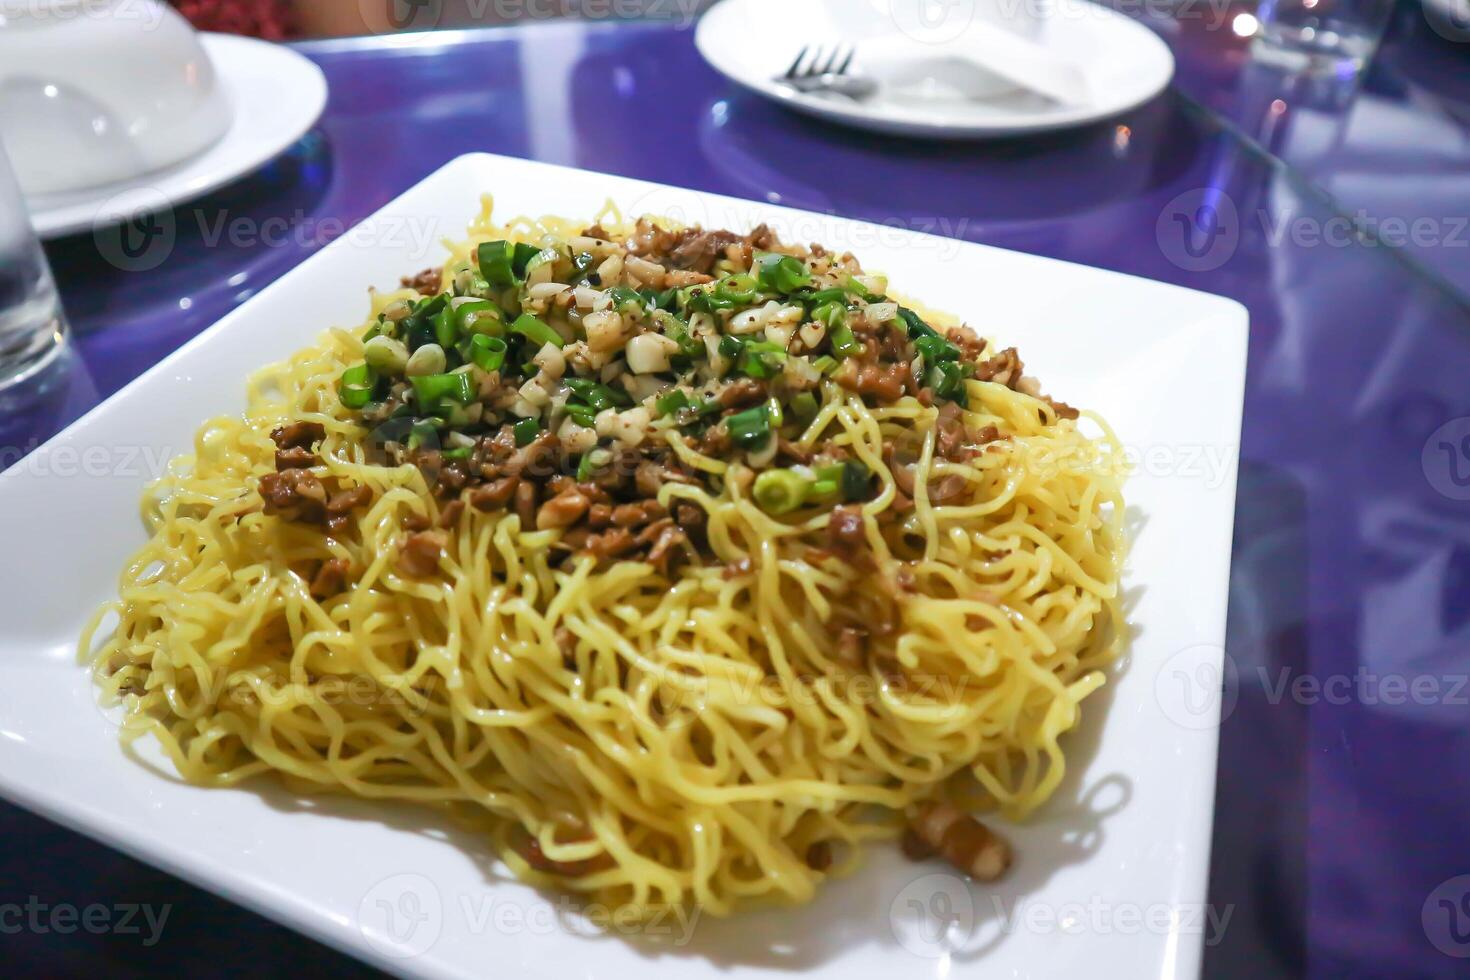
<point x="98" y="91"/>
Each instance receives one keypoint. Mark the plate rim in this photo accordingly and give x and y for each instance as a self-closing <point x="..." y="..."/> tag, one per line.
<point x="214" y="873"/>
<point x="225" y="52"/>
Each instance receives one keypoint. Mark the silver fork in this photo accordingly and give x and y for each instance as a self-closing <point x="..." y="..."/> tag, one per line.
<point x="827" y="74"/>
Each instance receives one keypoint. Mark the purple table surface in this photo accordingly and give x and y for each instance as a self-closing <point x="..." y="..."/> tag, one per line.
<point x="1342" y="793"/>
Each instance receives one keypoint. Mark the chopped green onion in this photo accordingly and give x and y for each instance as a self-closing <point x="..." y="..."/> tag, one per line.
<point x="844" y="342"/>
<point x="831" y="315"/>
<point x="731" y="346"/>
<point x="626" y="300"/>
<point x="916" y="326"/>
<point x="804" y="406"/>
<point x="826" y="364"/>
<point x="487" y="353"/>
<point x="525" y="431"/>
<point x="774" y="413"/>
<point x="947" y="378"/>
<point x="373" y="331"/>
<point x="780" y="273"/>
<point x="433" y="389"/>
<point x="496" y="264"/>
<point x="586" y="468"/>
<point x="446" y="328"/>
<point x="356" y="387"/>
<point x="935" y="349"/>
<point x="780" y="491"/>
<point x="761" y="359"/>
<point x="582" y="415"/>
<point x="750" y="429"/>
<point x="524" y="257"/>
<point x="538" y="333"/>
<point x="422" y="432"/>
<point x="855" y="480"/>
<point x="597" y="395"/>
<point x="678" y="331"/>
<point x="471" y="317"/>
<point x="739" y="289"/>
<point x="462" y="453"/>
<point x="673" y="402"/>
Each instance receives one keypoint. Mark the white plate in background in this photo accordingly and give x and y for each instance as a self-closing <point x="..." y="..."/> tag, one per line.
<point x="276" y="95"/>
<point x="1110" y="876"/>
<point x="751" y="42"/>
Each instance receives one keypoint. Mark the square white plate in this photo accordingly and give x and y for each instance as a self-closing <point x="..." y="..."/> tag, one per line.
<point x="1110" y="878"/>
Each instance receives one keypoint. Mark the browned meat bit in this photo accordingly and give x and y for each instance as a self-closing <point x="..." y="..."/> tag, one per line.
<point x="790" y="450"/>
<point x="526" y="504"/>
<point x="638" y="514"/>
<point x="529" y="848"/>
<point x="715" y="441"/>
<point x="736" y="569"/>
<point x="495" y="495"/>
<point x="1063" y="410"/>
<point x="599" y="516"/>
<point x="913" y="846"/>
<point x="414" y="521"/>
<point x="679" y="278"/>
<point x="298" y="435"/>
<point x="427" y="283"/>
<point x="970" y="343"/>
<point x="885" y="382"/>
<point x="295" y="458"/>
<point x="420" y="553"/>
<point x="961" y="840"/>
<point x="566" y="642"/>
<point x="649" y="477"/>
<point x="612" y="543"/>
<point x="449" y="513"/>
<point x="852" y="644"/>
<point x="700" y="250"/>
<point x="330" y="578"/>
<point x="650" y="239"/>
<point x="690" y="517"/>
<point x="348" y="500"/>
<point x="819" y="856"/>
<point x="538" y="458"/>
<point x="669" y="539"/>
<point x="1004" y="368"/>
<point x="845" y="532"/>
<point x="595" y="231"/>
<point x="762" y="238"/>
<point x="294" y="495"/>
<point x="563" y="510"/>
<point x="738" y="394"/>
<point x="948" y="489"/>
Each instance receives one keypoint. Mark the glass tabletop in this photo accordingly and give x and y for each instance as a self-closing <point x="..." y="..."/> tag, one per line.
<point x="1340" y="800"/>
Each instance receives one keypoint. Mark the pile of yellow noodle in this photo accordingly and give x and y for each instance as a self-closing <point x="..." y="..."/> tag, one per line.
<point x="709" y="731"/>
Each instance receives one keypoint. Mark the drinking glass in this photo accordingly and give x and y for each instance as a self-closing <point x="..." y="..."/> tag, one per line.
<point x="1320" y="36"/>
<point x="32" y="327"/>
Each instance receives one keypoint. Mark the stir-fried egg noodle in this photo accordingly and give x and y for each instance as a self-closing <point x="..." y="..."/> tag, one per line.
<point x="643" y="734"/>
